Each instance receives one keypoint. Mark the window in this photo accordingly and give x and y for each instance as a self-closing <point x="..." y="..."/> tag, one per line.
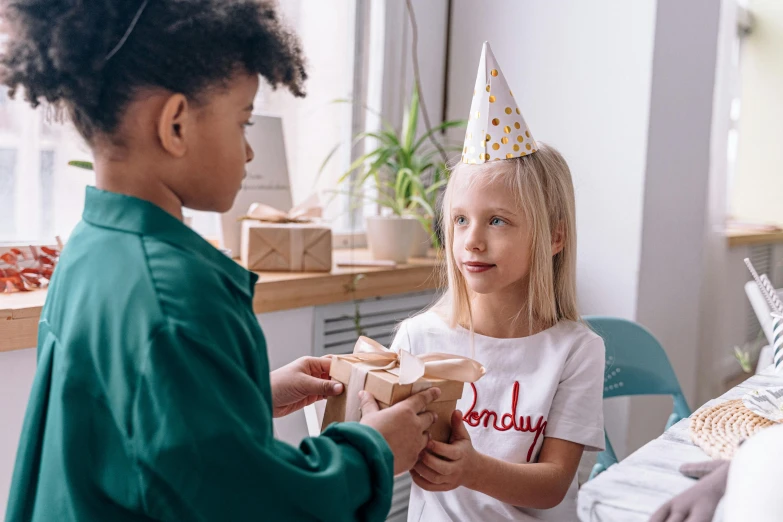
<point x="41" y="196"/>
<point x="756" y="183"/>
<point x="7" y="191"/>
<point x="734" y="85"/>
<point x="358" y="52"/>
<point x="343" y="75"/>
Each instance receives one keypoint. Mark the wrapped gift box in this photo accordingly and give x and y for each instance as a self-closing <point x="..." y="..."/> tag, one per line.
<point x="289" y="247"/>
<point x="384" y="385"/>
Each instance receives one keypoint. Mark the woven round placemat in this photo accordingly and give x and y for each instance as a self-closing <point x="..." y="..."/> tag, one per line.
<point x="718" y="430"/>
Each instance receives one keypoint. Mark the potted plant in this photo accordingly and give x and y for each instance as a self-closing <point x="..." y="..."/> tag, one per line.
<point x="407" y="173"/>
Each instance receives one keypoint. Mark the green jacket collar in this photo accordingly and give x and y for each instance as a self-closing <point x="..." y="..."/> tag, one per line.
<point x="136" y="216"/>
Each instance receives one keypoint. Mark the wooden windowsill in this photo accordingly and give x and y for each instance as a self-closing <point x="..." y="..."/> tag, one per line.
<point x="742" y="237"/>
<point x="275" y="291"/>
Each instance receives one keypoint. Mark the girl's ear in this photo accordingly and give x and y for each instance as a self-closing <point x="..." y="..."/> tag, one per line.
<point x="558" y="238"/>
<point x="173" y="125"/>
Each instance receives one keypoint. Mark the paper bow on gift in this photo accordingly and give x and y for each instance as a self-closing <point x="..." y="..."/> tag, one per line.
<point x="413" y="367"/>
<point x="306" y="212"/>
<point x="409" y="368"/>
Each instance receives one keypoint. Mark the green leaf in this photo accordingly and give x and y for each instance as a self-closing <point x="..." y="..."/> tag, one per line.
<point x="360" y="199"/>
<point x="366" y="107"/>
<point x="364" y="135"/>
<point x="391" y="138"/>
<point x="357" y="164"/>
<point x="426" y="222"/>
<point x="443" y="126"/>
<point x="743" y="357"/>
<point x="382" y="160"/>
<point x="411" y="122"/>
<point x="402" y="185"/>
<point x="406" y="179"/>
<point x="424" y="168"/>
<point x="326" y="161"/>
<point x="86" y="165"/>
<point x="435" y="186"/>
<point x="424" y="204"/>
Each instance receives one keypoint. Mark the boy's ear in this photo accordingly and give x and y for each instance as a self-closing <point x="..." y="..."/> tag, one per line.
<point x="558" y="238"/>
<point x="173" y="125"/>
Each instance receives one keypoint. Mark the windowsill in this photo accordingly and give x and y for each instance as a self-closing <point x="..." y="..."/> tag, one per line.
<point x="743" y="237"/>
<point x="348" y="240"/>
<point x="5" y="246"/>
<point x="275" y="291"/>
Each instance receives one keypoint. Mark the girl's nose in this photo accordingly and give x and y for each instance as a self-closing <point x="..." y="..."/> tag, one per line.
<point x="474" y="242"/>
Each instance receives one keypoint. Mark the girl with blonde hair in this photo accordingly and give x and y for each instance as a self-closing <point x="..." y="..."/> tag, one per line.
<point x="510" y="242"/>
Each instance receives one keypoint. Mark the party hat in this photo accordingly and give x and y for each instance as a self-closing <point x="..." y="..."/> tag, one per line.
<point x="496" y="128"/>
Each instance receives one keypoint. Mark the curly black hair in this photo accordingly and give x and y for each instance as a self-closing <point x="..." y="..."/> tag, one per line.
<point x="57" y="51"/>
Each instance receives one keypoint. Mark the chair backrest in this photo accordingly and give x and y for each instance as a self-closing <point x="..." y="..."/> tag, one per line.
<point x="636" y="363"/>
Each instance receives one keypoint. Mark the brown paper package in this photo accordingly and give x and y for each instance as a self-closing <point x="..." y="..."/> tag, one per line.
<point x="290" y="247"/>
<point x="386" y="389"/>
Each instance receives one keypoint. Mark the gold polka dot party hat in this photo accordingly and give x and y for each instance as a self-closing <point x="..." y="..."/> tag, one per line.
<point x="496" y="128"/>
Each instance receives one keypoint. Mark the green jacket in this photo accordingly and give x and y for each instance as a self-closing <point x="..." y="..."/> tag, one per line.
<point x="152" y="400"/>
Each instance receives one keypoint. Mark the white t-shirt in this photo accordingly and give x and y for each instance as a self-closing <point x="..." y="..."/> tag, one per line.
<point x="546" y="385"/>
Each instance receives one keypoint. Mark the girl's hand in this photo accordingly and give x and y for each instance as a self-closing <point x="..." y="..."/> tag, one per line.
<point x="443" y="467"/>
<point x="405" y="425"/>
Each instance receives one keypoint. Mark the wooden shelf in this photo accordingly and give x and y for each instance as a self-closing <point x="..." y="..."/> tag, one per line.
<point x="19" y="315"/>
<point x="284" y="291"/>
<point x="275" y="291"/>
<point x="742" y="237"/>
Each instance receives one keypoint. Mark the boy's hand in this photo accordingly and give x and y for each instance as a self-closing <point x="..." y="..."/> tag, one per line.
<point x="443" y="467"/>
<point x="301" y="383"/>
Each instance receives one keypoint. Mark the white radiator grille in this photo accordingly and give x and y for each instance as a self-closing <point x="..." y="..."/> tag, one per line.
<point x="762" y="258"/>
<point x="335" y="332"/>
<point x="337" y="326"/>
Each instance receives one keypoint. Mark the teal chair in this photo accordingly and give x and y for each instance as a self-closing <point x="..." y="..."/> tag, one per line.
<point x="635" y="365"/>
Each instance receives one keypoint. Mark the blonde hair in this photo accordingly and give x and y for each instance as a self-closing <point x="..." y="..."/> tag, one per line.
<point x="541" y="183"/>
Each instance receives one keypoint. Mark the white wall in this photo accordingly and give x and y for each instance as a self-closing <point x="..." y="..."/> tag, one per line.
<point x="17" y="369"/>
<point x="676" y="193"/>
<point x="723" y="299"/>
<point x="289" y="335"/>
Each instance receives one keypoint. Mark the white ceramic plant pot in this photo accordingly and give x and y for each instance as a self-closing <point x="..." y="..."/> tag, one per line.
<point x="390" y="237"/>
<point x="422" y="241"/>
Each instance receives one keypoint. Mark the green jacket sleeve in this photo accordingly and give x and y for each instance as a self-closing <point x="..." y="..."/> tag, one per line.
<point x="202" y="438"/>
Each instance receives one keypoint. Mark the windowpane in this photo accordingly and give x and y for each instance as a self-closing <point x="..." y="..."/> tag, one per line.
<point x="47" y="193"/>
<point x="40" y="196"/>
<point x="314" y="125"/>
<point x="7" y="192"/>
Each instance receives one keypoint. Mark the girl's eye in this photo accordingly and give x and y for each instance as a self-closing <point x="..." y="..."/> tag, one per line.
<point x="460" y="220"/>
<point x="497" y="221"/>
<point x="248" y="124"/>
